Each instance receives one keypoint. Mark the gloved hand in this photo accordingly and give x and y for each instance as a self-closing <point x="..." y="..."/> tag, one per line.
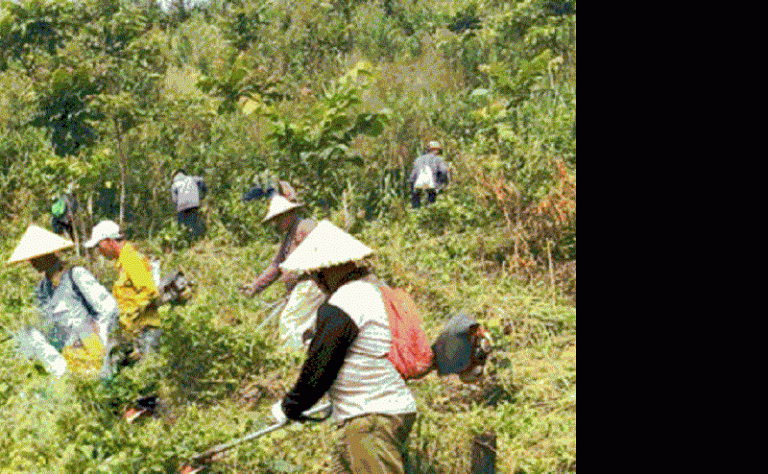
<point x="277" y="413"/>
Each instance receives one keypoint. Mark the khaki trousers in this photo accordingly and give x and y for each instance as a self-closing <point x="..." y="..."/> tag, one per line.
<point x="372" y="444"/>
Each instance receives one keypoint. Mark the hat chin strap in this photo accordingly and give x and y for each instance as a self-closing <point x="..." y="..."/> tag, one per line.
<point x="56" y="267"/>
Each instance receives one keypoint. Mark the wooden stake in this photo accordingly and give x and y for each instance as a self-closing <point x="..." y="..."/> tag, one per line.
<point x="549" y="259"/>
<point x="484" y="454"/>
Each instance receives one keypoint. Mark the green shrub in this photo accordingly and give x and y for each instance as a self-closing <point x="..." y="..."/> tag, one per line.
<point x="338" y="99"/>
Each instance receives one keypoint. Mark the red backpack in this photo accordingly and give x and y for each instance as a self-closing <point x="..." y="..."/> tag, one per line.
<point x="411" y="353"/>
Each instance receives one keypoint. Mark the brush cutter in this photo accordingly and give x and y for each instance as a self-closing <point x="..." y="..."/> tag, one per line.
<point x="204" y="458"/>
<point x="462" y="348"/>
<point x="175" y="289"/>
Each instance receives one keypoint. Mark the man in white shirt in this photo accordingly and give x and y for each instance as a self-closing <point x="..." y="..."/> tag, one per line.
<point x="429" y="175"/>
<point x="187" y="193"/>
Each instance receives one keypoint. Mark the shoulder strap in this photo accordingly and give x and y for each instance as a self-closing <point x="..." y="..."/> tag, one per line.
<point x="79" y="293"/>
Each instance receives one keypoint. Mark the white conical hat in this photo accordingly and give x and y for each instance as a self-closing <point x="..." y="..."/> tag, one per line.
<point x="37" y="241"/>
<point x="278" y="205"/>
<point x="325" y="246"/>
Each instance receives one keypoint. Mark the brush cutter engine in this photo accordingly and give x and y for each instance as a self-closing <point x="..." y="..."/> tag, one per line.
<point x="462" y="348"/>
<point x="175" y="288"/>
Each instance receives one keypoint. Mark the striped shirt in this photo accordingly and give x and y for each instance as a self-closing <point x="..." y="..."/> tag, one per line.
<point x="368" y="382"/>
<point x="347" y="359"/>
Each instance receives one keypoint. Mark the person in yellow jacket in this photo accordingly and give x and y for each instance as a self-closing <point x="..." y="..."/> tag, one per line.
<point x="135" y="290"/>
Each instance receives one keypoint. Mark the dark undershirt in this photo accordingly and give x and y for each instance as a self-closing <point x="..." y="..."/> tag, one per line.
<point x="334" y="334"/>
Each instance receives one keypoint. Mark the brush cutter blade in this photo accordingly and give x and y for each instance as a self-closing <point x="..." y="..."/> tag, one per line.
<point x="453" y="349"/>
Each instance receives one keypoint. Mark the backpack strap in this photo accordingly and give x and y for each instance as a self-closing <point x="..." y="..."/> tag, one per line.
<point x="79" y="293"/>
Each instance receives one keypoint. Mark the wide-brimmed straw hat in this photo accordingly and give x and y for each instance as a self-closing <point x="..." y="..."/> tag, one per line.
<point x="326" y="246"/>
<point x="37" y="242"/>
<point x="279" y="205"/>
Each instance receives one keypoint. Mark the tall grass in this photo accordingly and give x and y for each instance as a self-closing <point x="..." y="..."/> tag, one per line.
<point x="499" y="244"/>
<point x="218" y="376"/>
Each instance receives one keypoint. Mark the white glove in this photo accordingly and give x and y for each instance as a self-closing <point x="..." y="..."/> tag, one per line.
<point x="277" y="413"/>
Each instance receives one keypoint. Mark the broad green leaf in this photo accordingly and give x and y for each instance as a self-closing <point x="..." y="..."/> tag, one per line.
<point x="249" y="106"/>
<point x="60" y="80"/>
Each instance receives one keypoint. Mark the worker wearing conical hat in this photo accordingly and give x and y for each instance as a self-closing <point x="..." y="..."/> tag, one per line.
<point x="79" y="315"/>
<point x="347" y="358"/>
<point x="297" y="318"/>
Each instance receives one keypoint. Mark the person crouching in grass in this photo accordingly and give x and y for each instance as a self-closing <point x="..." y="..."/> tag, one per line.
<point x="78" y="314"/>
<point x="134" y="290"/>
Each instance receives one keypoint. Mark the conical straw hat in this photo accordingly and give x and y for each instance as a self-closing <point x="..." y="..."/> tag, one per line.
<point x="279" y="205"/>
<point x="325" y="246"/>
<point x="38" y="241"/>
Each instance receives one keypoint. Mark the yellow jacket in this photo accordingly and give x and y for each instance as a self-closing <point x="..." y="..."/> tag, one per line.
<point x="135" y="291"/>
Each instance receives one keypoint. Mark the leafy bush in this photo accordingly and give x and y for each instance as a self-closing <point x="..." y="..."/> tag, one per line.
<point x="338" y="99"/>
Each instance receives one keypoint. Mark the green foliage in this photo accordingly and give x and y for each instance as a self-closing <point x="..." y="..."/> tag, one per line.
<point x="21" y="153"/>
<point x="239" y="219"/>
<point x="466" y="20"/>
<point x="63" y="109"/>
<point x="238" y="84"/>
<point x="172" y="236"/>
<point x="245" y="25"/>
<point x="318" y="147"/>
<point x="337" y="98"/>
<point x="33" y="27"/>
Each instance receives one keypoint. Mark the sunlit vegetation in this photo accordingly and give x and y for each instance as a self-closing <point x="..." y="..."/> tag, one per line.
<point x="338" y="98"/>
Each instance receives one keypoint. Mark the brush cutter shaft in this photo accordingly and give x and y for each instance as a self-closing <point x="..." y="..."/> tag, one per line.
<point x="276" y="308"/>
<point x="225" y="446"/>
<point x="256" y="434"/>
